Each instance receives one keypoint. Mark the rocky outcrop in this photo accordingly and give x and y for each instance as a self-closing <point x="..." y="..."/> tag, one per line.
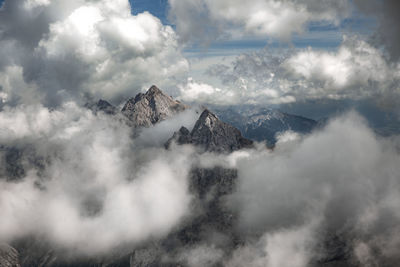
<point x="154" y="106"/>
<point x="212" y="134"/>
<point x="8" y="256"/>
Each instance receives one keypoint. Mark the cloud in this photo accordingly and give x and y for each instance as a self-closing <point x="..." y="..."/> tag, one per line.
<point x="201" y="256"/>
<point x="251" y="78"/>
<point x="76" y="48"/>
<point x="193" y="91"/>
<point x="158" y="134"/>
<point x="290" y="247"/>
<point x="90" y="188"/>
<point x="387" y="34"/>
<point x="341" y="180"/>
<point x="276" y="19"/>
<point x="355" y="70"/>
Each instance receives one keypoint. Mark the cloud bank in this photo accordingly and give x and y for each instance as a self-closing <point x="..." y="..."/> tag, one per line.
<point x="86" y="186"/>
<point x="339" y="181"/>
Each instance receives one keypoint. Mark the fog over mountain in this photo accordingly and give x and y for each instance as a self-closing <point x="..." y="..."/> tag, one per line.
<point x="130" y="138"/>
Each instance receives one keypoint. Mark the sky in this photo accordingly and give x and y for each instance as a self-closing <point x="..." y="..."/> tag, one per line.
<point x="282" y="54"/>
<point x="318" y="35"/>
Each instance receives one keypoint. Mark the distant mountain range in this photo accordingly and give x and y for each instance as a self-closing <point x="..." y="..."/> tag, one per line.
<point x="263" y="124"/>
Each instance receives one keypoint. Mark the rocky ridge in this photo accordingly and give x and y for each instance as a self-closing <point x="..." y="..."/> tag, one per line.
<point x="9" y="257"/>
<point x="211" y="134"/>
<point x="154" y="106"/>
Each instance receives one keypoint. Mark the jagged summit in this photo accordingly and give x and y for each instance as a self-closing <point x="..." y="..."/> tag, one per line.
<point x="212" y="134"/>
<point x="144" y="110"/>
<point x="154" y="90"/>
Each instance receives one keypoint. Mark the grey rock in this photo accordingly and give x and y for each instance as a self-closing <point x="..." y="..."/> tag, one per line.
<point x="154" y="106"/>
<point x="8" y="256"/>
<point x="180" y="137"/>
<point x="212" y="135"/>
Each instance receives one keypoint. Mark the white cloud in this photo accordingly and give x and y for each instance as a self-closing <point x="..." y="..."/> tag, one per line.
<point x="286" y="248"/>
<point x="355" y="70"/>
<point x="204" y="93"/>
<point x="294" y="198"/>
<point x="277" y="19"/>
<point x="94" y="48"/>
<point x="98" y="189"/>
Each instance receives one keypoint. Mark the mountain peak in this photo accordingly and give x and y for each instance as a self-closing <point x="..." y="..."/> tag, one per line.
<point x="154" y="90"/>
<point x="208" y="119"/>
<point x="212" y="134"/>
<point x="208" y="114"/>
<point x="154" y="106"/>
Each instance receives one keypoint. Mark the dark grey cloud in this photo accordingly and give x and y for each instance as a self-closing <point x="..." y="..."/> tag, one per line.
<point x="388" y="32"/>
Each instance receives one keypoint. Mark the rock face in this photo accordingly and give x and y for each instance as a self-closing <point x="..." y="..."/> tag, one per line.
<point x="8" y="256"/>
<point x="154" y="106"/>
<point x="212" y="134"/>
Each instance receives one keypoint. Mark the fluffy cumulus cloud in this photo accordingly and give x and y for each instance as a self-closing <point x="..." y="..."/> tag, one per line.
<point x="277" y="19"/>
<point x="71" y="49"/>
<point x="355" y="70"/>
<point x="200" y="92"/>
<point x="81" y="183"/>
